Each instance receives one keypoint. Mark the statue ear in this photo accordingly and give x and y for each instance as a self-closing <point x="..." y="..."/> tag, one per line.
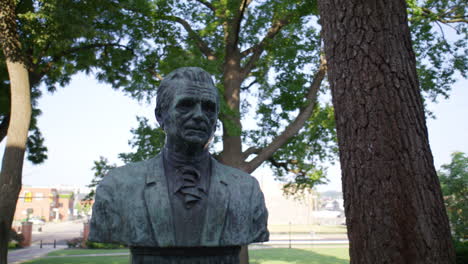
<point x="159" y="118"/>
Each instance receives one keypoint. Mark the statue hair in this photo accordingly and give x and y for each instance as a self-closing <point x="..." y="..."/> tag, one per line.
<point x="170" y="83"/>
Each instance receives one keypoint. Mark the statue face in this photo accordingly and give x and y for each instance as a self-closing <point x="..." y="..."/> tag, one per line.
<point x="191" y="118"/>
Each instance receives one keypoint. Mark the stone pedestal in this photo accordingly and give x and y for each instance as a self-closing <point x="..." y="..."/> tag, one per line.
<point x="26" y="231"/>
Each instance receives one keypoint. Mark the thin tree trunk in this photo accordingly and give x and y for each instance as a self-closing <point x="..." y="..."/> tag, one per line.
<point x="20" y="116"/>
<point x="12" y="164"/>
<point x="232" y="127"/>
<point x="232" y="81"/>
<point x="393" y="202"/>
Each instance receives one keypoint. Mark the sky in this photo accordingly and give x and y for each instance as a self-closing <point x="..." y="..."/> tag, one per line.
<point x="88" y="119"/>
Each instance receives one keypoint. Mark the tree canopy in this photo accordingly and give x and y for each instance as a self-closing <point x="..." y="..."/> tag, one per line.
<point x="439" y="31"/>
<point x="59" y="39"/>
<point x="275" y="48"/>
<point x="265" y="57"/>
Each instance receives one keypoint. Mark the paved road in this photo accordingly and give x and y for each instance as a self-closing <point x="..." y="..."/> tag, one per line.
<point x="60" y="232"/>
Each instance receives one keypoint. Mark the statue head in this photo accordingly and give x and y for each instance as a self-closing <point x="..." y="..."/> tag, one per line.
<point x="187" y="106"/>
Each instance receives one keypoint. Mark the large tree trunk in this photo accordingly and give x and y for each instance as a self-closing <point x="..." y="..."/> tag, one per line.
<point x="393" y="202"/>
<point x="12" y="164"/>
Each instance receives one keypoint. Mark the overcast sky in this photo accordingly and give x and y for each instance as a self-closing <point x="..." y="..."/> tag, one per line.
<point x="88" y="119"/>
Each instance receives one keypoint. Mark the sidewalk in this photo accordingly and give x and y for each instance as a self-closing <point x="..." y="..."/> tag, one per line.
<point x="20" y="255"/>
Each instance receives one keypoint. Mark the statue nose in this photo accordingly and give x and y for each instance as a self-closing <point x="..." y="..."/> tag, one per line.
<point x="197" y="111"/>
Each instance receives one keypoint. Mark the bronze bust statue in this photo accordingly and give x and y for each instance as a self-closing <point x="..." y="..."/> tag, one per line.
<point x="181" y="206"/>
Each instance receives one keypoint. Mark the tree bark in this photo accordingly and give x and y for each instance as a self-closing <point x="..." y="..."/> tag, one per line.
<point x="12" y="164"/>
<point x="20" y="116"/>
<point x="393" y="202"/>
<point x="232" y="142"/>
<point x="232" y="81"/>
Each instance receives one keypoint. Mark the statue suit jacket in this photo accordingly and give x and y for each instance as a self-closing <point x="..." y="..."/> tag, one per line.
<point x="132" y="207"/>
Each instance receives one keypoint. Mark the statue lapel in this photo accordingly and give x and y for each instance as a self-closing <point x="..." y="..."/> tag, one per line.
<point x="218" y="202"/>
<point x="158" y="204"/>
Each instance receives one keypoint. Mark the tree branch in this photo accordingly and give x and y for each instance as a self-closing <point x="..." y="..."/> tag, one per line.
<point x="441" y="29"/>
<point x="250" y="151"/>
<point x="240" y="15"/>
<point x="207" y="4"/>
<point x="284" y="165"/>
<point x="202" y="45"/>
<point x="231" y="27"/>
<point x="155" y="74"/>
<point x="292" y="129"/>
<point x="250" y="85"/>
<point x="272" y="32"/>
<point x="454" y="20"/>
<point x="446" y="17"/>
<point x="278" y="164"/>
<point x="257" y="49"/>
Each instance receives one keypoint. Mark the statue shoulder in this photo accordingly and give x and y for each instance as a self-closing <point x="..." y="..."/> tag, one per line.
<point x="131" y="172"/>
<point x="235" y="175"/>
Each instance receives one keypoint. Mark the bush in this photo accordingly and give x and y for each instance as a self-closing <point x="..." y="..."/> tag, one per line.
<point x="15" y="239"/>
<point x="461" y="252"/>
<point x="74" y="242"/>
<point x="13" y="245"/>
<point x="96" y="245"/>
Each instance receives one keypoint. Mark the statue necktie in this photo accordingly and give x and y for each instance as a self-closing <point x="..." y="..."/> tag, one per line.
<point x="190" y="177"/>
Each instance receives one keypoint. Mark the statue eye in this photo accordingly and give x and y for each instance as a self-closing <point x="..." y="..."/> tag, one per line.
<point x="185" y="104"/>
<point x="208" y="106"/>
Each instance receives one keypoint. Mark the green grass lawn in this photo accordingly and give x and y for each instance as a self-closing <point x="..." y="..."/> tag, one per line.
<point x="318" y="255"/>
<point x="82" y="260"/>
<point x="319" y="229"/>
<point x="300" y="256"/>
<point x="68" y="252"/>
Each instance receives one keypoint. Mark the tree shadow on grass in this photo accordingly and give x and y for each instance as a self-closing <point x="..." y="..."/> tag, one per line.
<point x="292" y="256"/>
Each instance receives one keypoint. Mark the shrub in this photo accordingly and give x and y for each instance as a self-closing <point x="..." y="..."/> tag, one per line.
<point x="15" y="239"/>
<point x="13" y="245"/>
<point x="96" y="245"/>
<point x="461" y="252"/>
<point x="74" y="242"/>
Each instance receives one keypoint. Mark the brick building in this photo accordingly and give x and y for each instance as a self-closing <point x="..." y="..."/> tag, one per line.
<point x="48" y="204"/>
